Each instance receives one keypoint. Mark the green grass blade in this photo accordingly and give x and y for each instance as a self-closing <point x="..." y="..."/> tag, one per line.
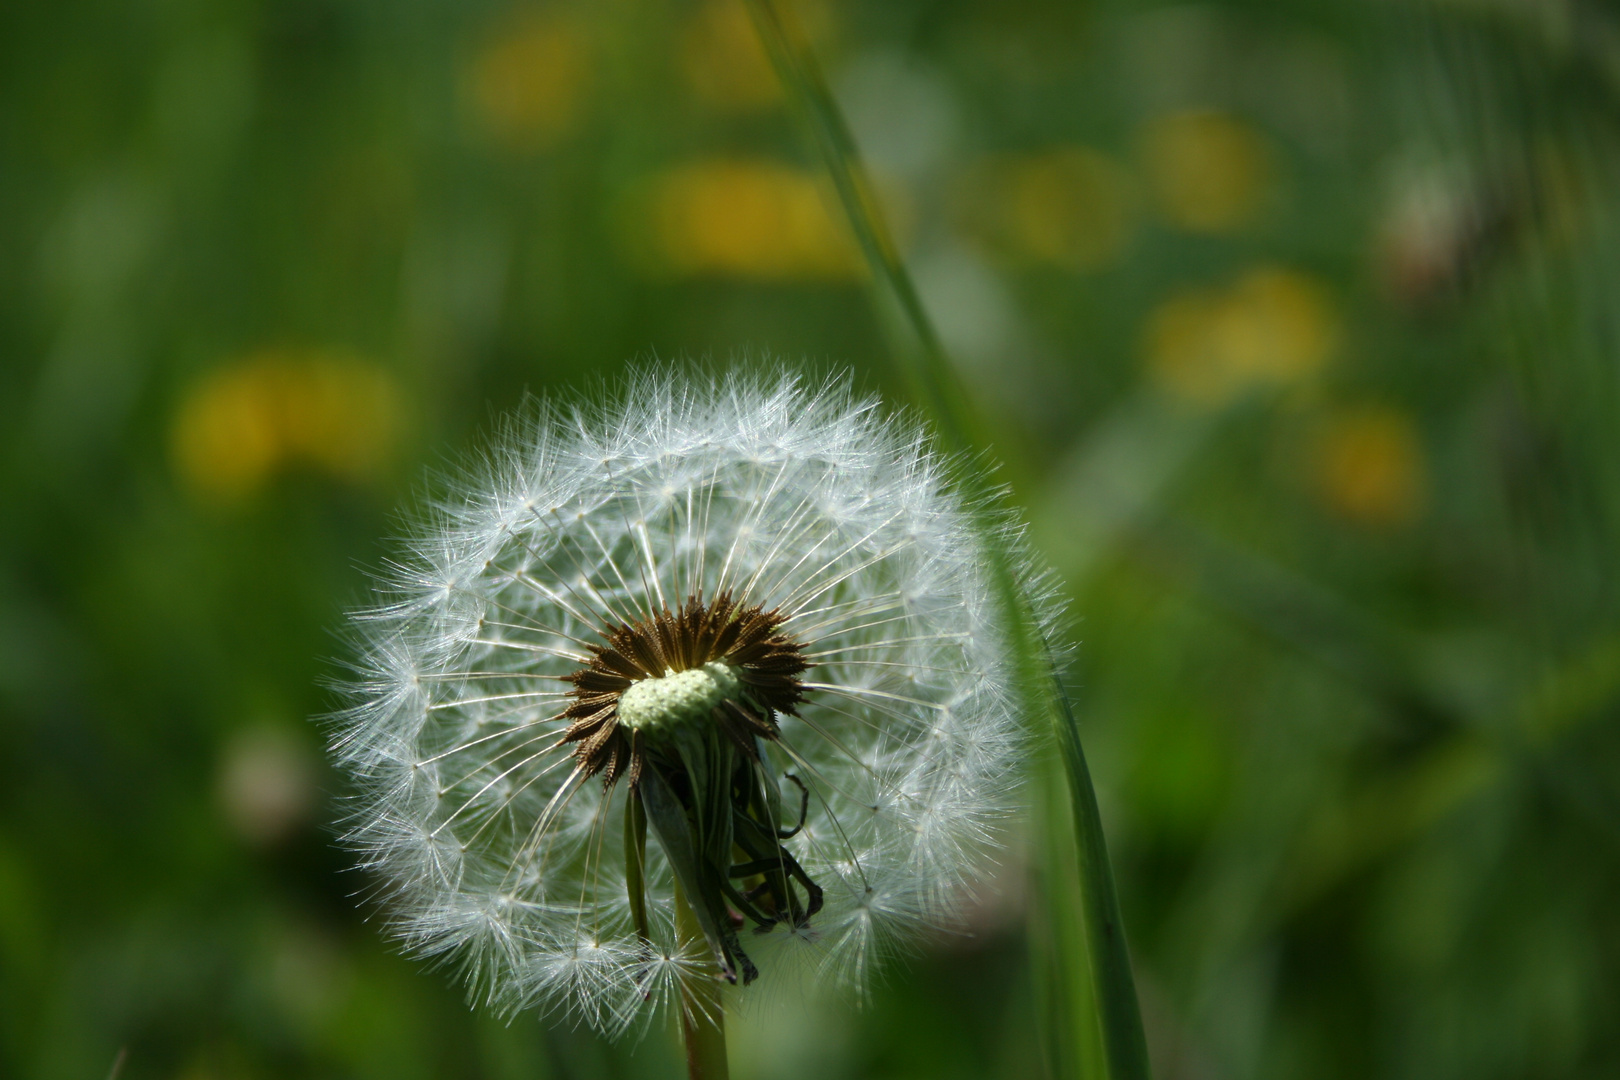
<point x="929" y="366"/>
<point x="1113" y="985"/>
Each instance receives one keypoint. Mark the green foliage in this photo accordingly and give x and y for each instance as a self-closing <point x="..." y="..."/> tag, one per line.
<point x="1293" y="324"/>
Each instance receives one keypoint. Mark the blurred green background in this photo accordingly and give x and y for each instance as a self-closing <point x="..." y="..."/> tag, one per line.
<point x="1296" y="327"/>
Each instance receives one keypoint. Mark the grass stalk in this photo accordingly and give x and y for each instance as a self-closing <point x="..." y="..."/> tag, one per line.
<point x="1113" y="987"/>
<point x="1113" y="983"/>
<point x="795" y="63"/>
<point x="1059" y="956"/>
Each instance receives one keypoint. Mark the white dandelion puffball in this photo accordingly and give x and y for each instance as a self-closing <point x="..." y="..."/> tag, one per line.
<point x="746" y="617"/>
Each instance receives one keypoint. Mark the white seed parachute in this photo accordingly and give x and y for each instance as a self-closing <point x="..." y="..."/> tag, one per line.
<point x="497" y="853"/>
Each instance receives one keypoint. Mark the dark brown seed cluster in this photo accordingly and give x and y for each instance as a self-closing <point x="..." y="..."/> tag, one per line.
<point x="745" y="637"/>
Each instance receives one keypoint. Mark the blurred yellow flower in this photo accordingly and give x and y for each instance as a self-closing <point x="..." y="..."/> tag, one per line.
<point x="241" y="424"/>
<point x="526" y="83"/>
<point x="1210" y="172"/>
<point x="1068" y="206"/>
<point x="1368" y="467"/>
<point x="748" y="218"/>
<point x="1273" y="326"/>
<point x="722" y="61"/>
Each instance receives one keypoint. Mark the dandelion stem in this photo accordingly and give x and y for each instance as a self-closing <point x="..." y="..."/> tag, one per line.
<point x="703" y="1019"/>
<point x="1113" y="985"/>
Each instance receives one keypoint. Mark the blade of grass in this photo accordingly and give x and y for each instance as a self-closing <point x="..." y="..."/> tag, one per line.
<point x="929" y="368"/>
<point x="1113" y="985"/>
<point x="1063" y="991"/>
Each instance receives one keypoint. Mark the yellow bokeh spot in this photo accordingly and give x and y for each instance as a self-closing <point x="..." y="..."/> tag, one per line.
<point x="739" y="218"/>
<point x="526" y="84"/>
<point x="242" y="424"/>
<point x="721" y="59"/>
<point x="1068" y="207"/>
<point x="1272" y="327"/>
<point x="1369" y="467"/>
<point x="1209" y="171"/>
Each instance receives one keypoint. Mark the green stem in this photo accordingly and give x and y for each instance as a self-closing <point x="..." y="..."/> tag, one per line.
<point x="1114" y="987"/>
<point x="703" y="1018"/>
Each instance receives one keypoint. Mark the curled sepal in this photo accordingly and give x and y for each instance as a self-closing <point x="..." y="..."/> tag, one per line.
<point x="695" y="874"/>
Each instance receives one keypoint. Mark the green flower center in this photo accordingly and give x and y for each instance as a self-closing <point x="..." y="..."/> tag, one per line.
<point x="680" y="697"/>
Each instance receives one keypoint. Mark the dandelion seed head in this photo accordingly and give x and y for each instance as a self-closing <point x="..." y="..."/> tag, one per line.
<point x="754" y="575"/>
